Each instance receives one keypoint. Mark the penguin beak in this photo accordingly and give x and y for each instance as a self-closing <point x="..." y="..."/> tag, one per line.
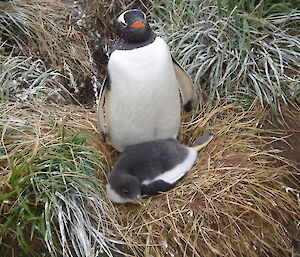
<point x="138" y="200"/>
<point x="137" y="24"/>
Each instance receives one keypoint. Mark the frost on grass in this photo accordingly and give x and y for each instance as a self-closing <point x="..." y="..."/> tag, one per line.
<point x="74" y="201"/>
<point x="231" y="50"/>
<point x="233" y="53"/>
<point x="27" y="79"/>
<point x="42" y="33"/>
<point x="234" y="201"/>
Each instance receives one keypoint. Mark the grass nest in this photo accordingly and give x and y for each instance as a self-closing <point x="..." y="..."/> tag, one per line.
<point x="236" y="200"/>
<point x="240" y="198"/>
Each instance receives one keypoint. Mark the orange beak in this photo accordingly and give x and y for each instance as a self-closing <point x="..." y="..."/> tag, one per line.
<point x="137" y="24"/>
<point x="138" y="200"/>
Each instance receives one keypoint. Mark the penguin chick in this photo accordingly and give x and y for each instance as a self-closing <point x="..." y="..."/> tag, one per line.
<point x="150" y="168"/>
<point x="127" y="188"/>
<point x="140" y="98"/>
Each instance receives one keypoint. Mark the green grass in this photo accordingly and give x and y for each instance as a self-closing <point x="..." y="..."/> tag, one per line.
<point x="57" y="200"/>
<point x="261" y="9"/>
<point x="15" y="27"/>
<point x="234" y="50"/>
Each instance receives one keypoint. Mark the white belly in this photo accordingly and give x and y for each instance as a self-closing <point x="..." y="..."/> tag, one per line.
<point x="143" y="102"/>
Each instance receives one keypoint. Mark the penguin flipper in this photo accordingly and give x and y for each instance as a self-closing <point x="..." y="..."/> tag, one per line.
<point x="100" y="108"/>
<point x="156" y="187"/>
<point x="186" y="85"/>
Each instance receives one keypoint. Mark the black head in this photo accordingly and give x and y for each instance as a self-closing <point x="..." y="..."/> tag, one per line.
<point x="126" y="185"/>
<point x="132" y="27"/>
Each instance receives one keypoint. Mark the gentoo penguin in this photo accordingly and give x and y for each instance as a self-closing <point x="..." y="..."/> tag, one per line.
<point x="140" y="97"/>
<point x="149" y="168"/>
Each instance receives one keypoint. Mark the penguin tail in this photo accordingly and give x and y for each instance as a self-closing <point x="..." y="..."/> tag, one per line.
<point x="202" y="142"/>
<point x="102" y="136"/>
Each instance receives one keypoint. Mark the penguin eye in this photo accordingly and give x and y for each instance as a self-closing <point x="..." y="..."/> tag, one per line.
<point x="125" y="191"/>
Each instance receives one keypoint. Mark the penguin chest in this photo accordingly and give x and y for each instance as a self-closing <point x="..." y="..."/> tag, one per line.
<point x="144" y="98"/>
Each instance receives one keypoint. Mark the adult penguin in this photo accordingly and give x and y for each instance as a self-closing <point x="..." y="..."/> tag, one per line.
<point x="150" y="168"/>
<point x="140" y="98"/>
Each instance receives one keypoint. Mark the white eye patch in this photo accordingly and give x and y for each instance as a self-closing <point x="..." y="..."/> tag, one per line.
<point x="121" y="18"/>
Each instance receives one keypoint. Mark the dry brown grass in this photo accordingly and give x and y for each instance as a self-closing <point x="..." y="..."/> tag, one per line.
<point x="50" y="200"/>
<point x="50" y="32"/>
<point x="234" y="202"/>
<point x="70" y="38"/>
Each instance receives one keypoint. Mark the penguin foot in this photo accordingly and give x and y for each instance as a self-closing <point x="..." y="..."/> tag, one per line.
<point x="202" y="142"/>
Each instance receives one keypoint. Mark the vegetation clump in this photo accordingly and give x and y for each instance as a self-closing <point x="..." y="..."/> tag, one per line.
<point x="49" y="188"/>
<point x="236" y="50"/>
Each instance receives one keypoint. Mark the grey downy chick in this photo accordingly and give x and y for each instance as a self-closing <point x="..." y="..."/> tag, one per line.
<point x="150" y="168"/>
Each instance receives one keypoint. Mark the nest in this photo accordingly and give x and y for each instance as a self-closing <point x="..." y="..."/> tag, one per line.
<point x="234" y="202"/>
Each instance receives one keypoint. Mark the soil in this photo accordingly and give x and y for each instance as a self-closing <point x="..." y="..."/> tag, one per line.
<point x="291" y="151"/>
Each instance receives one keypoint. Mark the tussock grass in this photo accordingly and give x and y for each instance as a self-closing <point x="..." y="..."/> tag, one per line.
<point x="27" y="79"/>
<point x="241" y="196"/>
<point x="43" y="31"/>
<point x="236" y="200"/>
<point x="50" y="195"/>
<point x="234" y="49"/>
<point x="70" y="38"/>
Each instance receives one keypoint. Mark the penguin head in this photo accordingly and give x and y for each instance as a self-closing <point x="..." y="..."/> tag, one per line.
<point x="126" y="186"/>
<point x="132" y="26"/>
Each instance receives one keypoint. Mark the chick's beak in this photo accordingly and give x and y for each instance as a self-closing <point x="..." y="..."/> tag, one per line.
<point x="138" y="200"/>
<point x="137" y="24"/>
